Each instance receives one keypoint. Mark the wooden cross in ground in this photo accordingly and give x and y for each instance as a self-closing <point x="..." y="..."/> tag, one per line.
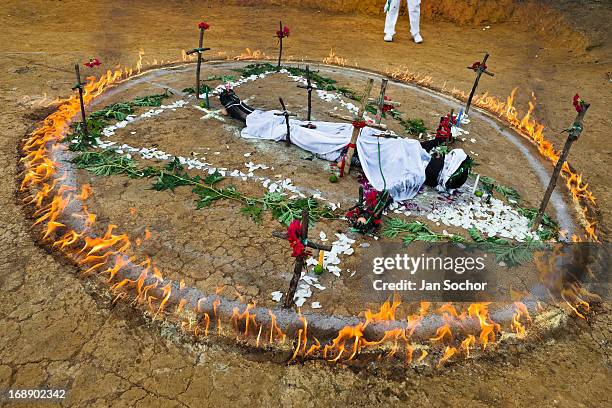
<point x="574" y="133"/>
<point x="200" y="50"/>
<point x="309" y="88"/>
<point x="282" y="33"/>
<point x="381" y="102"/>
<point x="479" y="68"/>
<point x="79" y="86"/>
<point x="358" y="124"/>
<point x="286" y="114"/>
<point x="211" y="114"/>
<point x="299" y="260"/>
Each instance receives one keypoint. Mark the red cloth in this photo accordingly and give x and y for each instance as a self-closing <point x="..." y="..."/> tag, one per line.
<point x="359" y="124"/>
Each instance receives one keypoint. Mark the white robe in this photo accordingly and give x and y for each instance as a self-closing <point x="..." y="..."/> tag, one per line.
<point x="402" y="161"/>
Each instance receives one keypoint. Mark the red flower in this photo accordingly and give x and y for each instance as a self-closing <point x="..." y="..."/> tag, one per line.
<point x="93" y="62"/>
<point x="352" y="214"/>
<point x="578" y="103"/>
<point x="294" y="233"/>
<point x="477" y="65"/>
<point x="359" y="124"/>
<point x="371" y="198"/>
<point x="203" y="26"/>
<point x="284" y="33"/>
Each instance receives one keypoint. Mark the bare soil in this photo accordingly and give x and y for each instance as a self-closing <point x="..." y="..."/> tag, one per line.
<point x="57" y="332"/>
<point x="216" y="247"/>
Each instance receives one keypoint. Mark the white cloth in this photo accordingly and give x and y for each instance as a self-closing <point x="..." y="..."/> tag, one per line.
<point x="414" y="14"/>
<point x="403" y="161"/>
<point x="452" y="161"/>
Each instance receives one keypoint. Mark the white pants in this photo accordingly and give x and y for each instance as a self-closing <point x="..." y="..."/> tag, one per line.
<point x="414" y="12"/>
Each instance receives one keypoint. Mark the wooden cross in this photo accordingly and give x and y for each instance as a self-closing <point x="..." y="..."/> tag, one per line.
<point x="381" y="102"/>
<point x="574" y="133"/>
<point x="200" y="50"/>
<point x="79" y="86"/>
<point x="211" y="114"/>
<point x="286" y="114"/>
<point x="309" y="88"/>
<point x="299" y="260"/>
<point x="479" y="68"/>
<point x="280" y="39"/>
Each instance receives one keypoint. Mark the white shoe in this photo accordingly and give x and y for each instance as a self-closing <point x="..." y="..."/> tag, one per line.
<point x="417" y="38"/>
<point x="388" y="37"/>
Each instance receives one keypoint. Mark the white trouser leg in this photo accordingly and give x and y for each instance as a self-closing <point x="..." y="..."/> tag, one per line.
<point x="392" y="17"/>
<point x="414" y="12"/>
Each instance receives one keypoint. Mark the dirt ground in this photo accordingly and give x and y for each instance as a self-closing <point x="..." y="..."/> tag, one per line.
<point x="58" y="333"/>
<point x="216" y="246"/>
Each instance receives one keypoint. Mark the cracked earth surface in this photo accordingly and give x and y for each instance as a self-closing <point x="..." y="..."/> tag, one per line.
<point x="58" y="332"/>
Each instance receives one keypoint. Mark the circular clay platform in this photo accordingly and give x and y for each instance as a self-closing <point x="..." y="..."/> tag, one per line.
<point x="218" y="249"/>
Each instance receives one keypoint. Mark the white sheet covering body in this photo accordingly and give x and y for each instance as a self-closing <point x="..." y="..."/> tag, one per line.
<point x="402" y="161"/>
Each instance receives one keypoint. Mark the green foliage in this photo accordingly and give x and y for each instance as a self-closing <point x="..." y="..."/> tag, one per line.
<point x="118" y="111"/>
<point x="222" y="78"/>
<point x="510" y="253"/>
<point x="490" y="185"/>
<point x="550" y="228"/>
<point x="413" y="127"/>
<point x="151" y="100"/>
<point x="85" y="141"/>
<point x="415" y="231"/>
<point x="287" y="211"/>
<point x="107" y="163"/>
<point x="505" y="251"/>
<point x="324" y="83"/>
<point x="203" y="89"/>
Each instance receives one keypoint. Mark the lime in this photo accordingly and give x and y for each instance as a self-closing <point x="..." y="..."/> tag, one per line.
<point x="333" y="178"/>
<point x="478" y="193"/>
<point x="318" y="269"/>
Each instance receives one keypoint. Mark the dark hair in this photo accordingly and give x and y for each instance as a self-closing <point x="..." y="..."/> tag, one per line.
<point x="433" y="169"/>
<point x="460" y="176"/>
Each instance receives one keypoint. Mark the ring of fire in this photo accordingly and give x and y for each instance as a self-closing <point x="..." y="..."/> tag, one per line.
<point x="56" y="204"/>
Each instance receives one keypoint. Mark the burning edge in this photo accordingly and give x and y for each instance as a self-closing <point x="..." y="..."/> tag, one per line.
<point x="65" y="225"/>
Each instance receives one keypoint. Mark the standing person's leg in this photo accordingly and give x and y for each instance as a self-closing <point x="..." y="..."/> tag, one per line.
<point x="414" y="12"/>
<point x="392" y="13"/>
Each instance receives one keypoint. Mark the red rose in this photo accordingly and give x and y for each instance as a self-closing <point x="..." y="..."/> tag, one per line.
<point x="93" y="62"/>
<point x="203" y="26"/>
<point x="283" y="33"/>
<point x="294" y="232"/>
<point x="578" y="103"/>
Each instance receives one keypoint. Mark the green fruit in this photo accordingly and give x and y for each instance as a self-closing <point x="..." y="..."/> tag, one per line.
<point x="478" y="193"/>
<point x="333" y="178"/>
<point x="318" y="269"/>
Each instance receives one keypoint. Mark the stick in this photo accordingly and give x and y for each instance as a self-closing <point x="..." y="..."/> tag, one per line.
<point x="574" y="133"/>
<point x="199" y="65"/>
<point x="356" y="131"/>
<point x="309" y="92"/>
<point x="280" y="37"/>
<point x="286" y="114"/>
<point x="381" y="99"/>
<point x="80" y="87"/>
<point x="478" y="74"/>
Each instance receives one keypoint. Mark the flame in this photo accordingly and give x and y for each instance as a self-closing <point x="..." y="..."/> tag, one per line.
<point x="109" y="254"/>
<point x="248" y="54"/>
<point x="333" y="59"/>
